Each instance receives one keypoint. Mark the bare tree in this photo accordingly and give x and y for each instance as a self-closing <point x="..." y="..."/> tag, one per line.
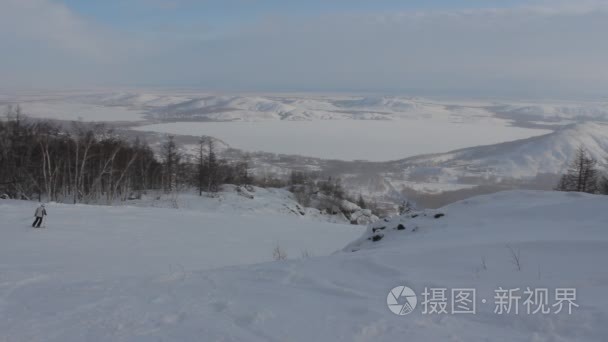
<point x="361" y="202"/>
<point x="200" y="161"/>
<point x="242" y="176"/>
<point x="515" y="256"/>
<point x="406" y="207"/>
<point x="171" y="160"/>
<point x="603" y="188"/>
<point x="279" y="253"/>
<point x="212" y="169"/>
<point x="46" y="160"/>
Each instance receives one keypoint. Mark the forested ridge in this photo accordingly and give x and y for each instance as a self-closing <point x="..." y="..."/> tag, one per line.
<point x="91" y="163"/>
<point x="84" y="163"/>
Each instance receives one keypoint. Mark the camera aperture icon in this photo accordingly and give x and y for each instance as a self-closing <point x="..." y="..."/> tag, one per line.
<point x="401" y="300"/>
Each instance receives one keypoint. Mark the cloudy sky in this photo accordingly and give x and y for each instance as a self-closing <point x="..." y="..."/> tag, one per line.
<point x="457" y="47"/>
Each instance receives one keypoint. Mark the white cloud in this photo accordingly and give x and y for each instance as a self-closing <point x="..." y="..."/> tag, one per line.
<point x="50" y="24"/>
<point x="535" y="50"/>
<point x="548" y="48"/>
<point x="46" y="44"/>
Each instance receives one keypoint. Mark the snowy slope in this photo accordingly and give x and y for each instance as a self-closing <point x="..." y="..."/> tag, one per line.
<point x="137" y="100"/>
<point x="85" y="241"/>
<point x="252" y="200"/>
<point x="562" y="238"/>
<point x="525" y="158"/>
<point x="534" y="162"/>
<point x="554" y="112"/>
<point x="309" y="107"/>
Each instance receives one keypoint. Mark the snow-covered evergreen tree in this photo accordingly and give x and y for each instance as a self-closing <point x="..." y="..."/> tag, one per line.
<point x="582" y="175"/>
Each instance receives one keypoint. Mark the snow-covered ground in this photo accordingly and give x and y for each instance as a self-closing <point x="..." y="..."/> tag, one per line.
<point x="129" y="274"/>
<point x="100" y="242"/>
<point x="252" y="200"/>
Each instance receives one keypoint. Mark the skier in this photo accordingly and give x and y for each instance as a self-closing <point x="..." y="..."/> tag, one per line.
<point x="39" y="215"/>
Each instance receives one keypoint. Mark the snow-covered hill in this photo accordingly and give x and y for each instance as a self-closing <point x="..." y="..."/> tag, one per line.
<point x="561" y="240"/>
<point x="197" y="106"/>
<point x="525" y="158"/>
<point x="136" y="100"/>
<point x="562" y="113"/>
<point x="534" y="163"/>
<point x="192" y="105"/>
<point x="438" y="179"/>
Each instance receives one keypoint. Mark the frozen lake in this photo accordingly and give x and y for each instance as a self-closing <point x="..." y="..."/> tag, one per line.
<point x="350" y="139"/>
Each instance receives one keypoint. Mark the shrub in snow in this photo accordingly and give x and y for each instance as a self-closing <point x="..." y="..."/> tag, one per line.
<point x="306" y="254"/>
<point x="214" y="195"/>
<point x="515" y="256"/>
<point x="356" y="214"/>
<point x="406" y="207"/>
<point x="395" y="227"/>
<point x="244" y="192"/>
<point x="329" y="197"/>
<point x="362" y="219"/>
<point x="300" y="210"/>
<point x="279" y="254"/>
<point x="134" y="196"/>
<point x="348" y="207"/>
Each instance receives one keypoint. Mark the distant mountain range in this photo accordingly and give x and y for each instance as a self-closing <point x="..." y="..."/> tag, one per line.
<point x="184" y="106"/>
